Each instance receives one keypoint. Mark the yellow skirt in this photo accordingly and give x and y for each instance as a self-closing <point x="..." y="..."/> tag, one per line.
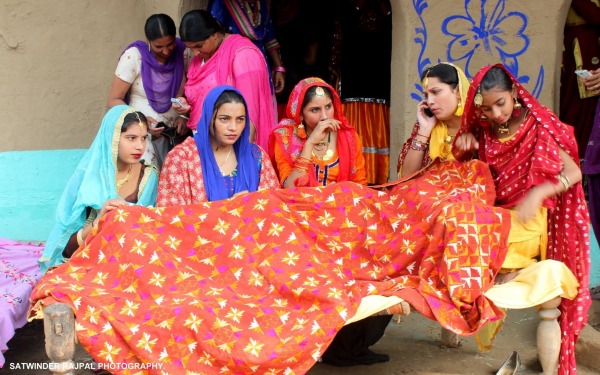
<point x="527" y="242"/>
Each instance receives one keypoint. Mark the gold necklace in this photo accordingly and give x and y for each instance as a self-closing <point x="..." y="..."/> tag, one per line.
<point x="449" y="139"/>
<point x="328" y="153"/>
<point x="122" y="182"/>
<point x="226" y="158"/>
<point x="503" y="129"/>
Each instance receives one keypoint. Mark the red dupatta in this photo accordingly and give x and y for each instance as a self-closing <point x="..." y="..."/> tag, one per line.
<point x="287" y="137"/>
<point x="531" y="157"/>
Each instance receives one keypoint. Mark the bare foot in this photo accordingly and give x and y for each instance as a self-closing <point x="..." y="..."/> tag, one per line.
<point x="502" y="278"/>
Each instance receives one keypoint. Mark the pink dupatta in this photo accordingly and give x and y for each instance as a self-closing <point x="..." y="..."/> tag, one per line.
<point x="239" y="63"/>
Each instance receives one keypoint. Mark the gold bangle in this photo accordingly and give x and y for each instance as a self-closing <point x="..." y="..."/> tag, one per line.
<point x="79" y="237"/>
<point x="564" y="180"/>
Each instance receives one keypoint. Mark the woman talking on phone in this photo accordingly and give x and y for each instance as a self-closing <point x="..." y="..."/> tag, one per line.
<point x="439" y="116"/>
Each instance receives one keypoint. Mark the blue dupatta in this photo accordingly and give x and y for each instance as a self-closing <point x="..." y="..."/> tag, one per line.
<point x="248" y="170"/>
<point x="92" y="183"/>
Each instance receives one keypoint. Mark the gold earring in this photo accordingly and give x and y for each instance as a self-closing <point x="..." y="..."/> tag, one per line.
<point x="517" y="103"/>
<point x="459" y="108"/>
<point x="478" y="99"/>
<point x="301" y="131"/>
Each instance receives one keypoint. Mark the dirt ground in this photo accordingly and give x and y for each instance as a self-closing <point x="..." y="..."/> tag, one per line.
<point x="413" y="346"/>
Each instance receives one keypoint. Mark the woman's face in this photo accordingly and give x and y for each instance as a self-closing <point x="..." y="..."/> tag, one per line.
<point x="132" y="143"/>
<point x="163" y="47"/>
<point x="318" y="109"/>
<point x="441" y="98"/>
<point x="229" y="122"/>
<point x="205" y="48"/>
<point x="497" y="105"/>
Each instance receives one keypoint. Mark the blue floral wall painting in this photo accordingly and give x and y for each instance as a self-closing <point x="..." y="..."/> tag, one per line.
<point x="482" y="30"/>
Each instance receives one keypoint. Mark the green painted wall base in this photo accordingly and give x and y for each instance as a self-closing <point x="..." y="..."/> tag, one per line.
<point x="595" y="255"/>
<point x="31" y="183"/>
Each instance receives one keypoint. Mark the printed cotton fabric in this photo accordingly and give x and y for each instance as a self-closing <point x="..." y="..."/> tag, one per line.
<point x="19" y="272"/>
<point x="261" y="283"/>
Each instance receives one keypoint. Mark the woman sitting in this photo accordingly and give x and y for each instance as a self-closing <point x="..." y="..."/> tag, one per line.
<point x="532" y="156"/>
<point x="316" y="145"/>
<point x="219" y="161"/>
<point x="224" y="59"/>
<point x="148" y="75"/>
<point x="439" y="116"/>
<point x="110" y="175"/>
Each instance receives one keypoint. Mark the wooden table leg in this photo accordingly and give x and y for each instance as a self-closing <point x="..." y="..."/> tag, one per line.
<point x="59" y="330"/>
<point x="548" y="336"/>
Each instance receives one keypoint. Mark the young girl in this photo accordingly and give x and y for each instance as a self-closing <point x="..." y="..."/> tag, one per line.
<point x="219" y="161"/>
<point x="532" y="157"/>
<point x="315" y="145"/>
<point x="110" y="175"/>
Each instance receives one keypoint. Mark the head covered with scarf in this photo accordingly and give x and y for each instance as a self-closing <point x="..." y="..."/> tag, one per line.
<point x="161" y="80"/>
<point x="92" y="184"/>
<point x="247" y="154"/>
<point x="291" y="133"/>
<point x="456" y="78"/>
<point x="532" y="155"/>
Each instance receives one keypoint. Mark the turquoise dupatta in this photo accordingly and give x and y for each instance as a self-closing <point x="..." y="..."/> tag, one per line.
<point x="92" y="183"/>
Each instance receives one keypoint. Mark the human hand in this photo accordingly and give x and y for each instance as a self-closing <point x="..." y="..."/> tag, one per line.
<point x="181" y="124"/>
<point x="152" y="129"/>
<point x="528" y="207"/>
<point x="426" y="123"/>
<point x="322" y="130"/>
<point x="592" y="83"/>
<point x="278" y="81"/>
<point x="112" y="204"/>
<point x="466" y="142"/>
<point x="182" y="110"/>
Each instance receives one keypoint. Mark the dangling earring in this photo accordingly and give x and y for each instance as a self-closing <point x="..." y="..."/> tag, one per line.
<point x="149" y="49"/>
<point x="516" y="109"/>
<point x="301" y="131"/>
<point x="459" y="109"/>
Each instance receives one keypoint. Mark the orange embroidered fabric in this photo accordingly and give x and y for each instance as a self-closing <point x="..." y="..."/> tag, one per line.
<point x="261" y="283"/>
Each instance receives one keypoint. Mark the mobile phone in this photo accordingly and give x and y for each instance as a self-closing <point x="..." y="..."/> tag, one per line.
<point x="428" y="112"/>
<point x="176" y="100"/>
<point x="583" y="73"/>
<point x="160" y="124"/>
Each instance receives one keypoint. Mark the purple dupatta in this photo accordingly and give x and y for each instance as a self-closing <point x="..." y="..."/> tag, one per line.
<point x="161" y="81"/>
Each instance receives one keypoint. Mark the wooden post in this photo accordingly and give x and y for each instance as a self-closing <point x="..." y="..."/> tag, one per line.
<point x="450" y="339"/>
<point x="548" y="336"/>
<point x="59" y="330"/>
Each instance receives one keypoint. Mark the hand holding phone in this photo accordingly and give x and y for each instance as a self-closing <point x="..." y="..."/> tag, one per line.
<point x="428" y="112"/>
<point x="583" y="73"/>
<point x="177" y="101"/>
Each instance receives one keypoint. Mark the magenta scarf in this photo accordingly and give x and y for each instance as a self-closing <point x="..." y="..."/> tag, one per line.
<point x="238" y="63"/>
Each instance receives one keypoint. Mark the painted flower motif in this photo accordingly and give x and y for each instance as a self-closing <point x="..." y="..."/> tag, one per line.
<point x="487" y="28"/>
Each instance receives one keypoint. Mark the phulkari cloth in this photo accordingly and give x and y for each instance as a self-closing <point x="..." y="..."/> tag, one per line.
<point x="261" y="283"/>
